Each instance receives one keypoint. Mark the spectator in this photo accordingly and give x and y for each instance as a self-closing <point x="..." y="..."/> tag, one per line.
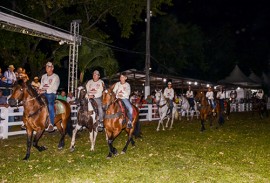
<point x="62" y="96"/>
<point x="70" y="98"/>
<point x="3" y="100"/>
<point x="149" y="99"/>
<point x="18" y="72"/>
<point x="10" y="75"/>
<point x="35" y="83"/>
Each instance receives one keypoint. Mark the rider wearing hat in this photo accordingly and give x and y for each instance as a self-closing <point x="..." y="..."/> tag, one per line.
<point x="94" y="89"/>
<point x="169" y="95"/>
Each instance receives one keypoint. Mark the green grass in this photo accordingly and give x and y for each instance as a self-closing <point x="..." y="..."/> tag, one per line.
<point x="237" y="152"/>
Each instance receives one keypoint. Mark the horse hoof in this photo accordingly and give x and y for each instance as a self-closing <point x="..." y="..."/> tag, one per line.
<point x="42" y="148"/>
<point x="60" y="148"/>
<point x="123" y="152"/>
<point x="72" y="149"/>
<point x="157" y="130"/>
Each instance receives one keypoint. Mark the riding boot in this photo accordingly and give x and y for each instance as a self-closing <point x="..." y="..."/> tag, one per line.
<point x="123" y="110"/>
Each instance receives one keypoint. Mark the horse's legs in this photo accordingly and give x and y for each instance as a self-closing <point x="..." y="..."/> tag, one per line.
<point x="28" y="144"/>
<point x="36" y="139"/>
<point x="111" y="137"/>
<point x="72" y="144"/>
<point x="202" y="125"/>
<point x="167" y="123"/>
<point x="92" y="137"/>
<point x="172" y="121"/>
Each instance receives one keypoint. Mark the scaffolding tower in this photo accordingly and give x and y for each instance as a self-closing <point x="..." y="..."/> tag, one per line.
<point x="73" y="57"/>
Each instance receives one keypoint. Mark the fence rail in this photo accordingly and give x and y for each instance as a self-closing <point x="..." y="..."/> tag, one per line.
<point x="11" y="117"/>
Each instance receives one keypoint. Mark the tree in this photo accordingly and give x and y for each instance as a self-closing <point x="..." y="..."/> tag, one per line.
<point x="94" y="14"/>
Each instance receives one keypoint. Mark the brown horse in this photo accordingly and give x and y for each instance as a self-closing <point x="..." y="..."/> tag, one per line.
<point x="36" y="115"/>
<point x="206" y="111"/>
<point x="114" y="121"/>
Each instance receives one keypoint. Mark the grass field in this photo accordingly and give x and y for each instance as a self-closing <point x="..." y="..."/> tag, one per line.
<point x="237" y="152"/>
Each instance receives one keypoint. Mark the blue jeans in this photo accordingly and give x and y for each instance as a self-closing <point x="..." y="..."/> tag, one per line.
<point x="129" y="108"/>
<point x="100" y="110"/>
<point x="51" y="98"/>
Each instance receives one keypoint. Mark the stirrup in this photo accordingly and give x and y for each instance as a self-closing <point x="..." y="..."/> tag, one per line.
<point x="129" y="124"/>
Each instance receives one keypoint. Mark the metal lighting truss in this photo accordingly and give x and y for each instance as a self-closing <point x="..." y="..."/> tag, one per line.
<point x="16" y="24"/>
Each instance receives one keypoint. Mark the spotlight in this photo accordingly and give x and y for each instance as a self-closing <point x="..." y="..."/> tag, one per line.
<point x="61" y="42"/>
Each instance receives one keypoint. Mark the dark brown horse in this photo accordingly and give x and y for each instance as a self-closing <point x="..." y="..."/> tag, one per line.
<point x="206" y="111"/>
<point x="114" y="121"/>
<point x="86" y="118"/>
<point x="36" y="115"/>
<point x="259" y="106"/>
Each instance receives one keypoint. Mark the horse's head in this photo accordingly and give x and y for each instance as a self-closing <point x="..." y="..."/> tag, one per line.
<point x="108" y="97"/>
<point x="81" y="92"/>
<point x="158" y="95"/>
<point x="18" y="93"/>
<point x="200" y="96"/>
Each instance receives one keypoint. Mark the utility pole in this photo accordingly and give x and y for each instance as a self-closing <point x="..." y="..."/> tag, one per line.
<point x="147" y="59"/>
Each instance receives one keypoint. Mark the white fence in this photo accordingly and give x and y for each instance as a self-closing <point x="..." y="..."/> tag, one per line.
<point x="12" y="116"/>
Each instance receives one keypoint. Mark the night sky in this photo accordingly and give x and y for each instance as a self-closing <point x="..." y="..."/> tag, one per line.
<point x="249" y="21"/>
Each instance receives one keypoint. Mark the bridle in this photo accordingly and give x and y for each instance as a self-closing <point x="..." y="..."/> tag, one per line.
<point x="160" y="100"/>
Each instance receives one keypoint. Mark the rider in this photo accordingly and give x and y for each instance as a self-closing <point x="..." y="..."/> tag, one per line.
<point x="221" y="97"/>
<point x="210" y="97"/>
<point x="94" y="89"/>
<point x="122" y="91"/>
<point x="190" y="97"/>
<point x="49" y="85"/>
<point x="259" y="94"/>
<point x="169" y="95"/>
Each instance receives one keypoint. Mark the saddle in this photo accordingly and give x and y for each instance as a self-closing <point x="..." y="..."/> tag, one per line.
<point x="59" y="108"/>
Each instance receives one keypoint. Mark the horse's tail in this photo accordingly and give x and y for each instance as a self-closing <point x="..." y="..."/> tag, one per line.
<point x="69" y="127"/>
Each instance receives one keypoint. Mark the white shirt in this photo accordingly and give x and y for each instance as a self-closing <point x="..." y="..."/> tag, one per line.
<point x="34" y="84"/>
<point x="189" y="94"/>
<point x="210" y="95"/>
<point x="95" y="88"/>
<point x="221" y="95"/>
<point x="70" y="99"/>
<point x="10" y="77"/>
<point x="122" y="89"/>
<point x="50" y="83"/>
<point x="169" y="93"/>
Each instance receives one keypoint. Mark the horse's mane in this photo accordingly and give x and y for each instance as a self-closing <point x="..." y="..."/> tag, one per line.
<point x="32" y="92"/>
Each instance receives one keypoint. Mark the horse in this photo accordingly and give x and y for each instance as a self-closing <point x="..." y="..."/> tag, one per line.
<point x="186" y="108"/>
<point x="206" y="110"/>
<point x="114" y="121"/>
<point x="163" y="109"/>
<point x="260" y="106"/>
<point x="86" y="118"/>
<point x="36" y="115"/>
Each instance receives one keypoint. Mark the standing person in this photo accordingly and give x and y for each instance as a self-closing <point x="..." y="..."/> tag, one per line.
<point x="190" y="97"/>
<point x="49" y="86"/>
<point x="94" y="89"/>
<point x="169" y="95"/>
<point x="122" y="91"/>
<point x="210" y="97"/>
